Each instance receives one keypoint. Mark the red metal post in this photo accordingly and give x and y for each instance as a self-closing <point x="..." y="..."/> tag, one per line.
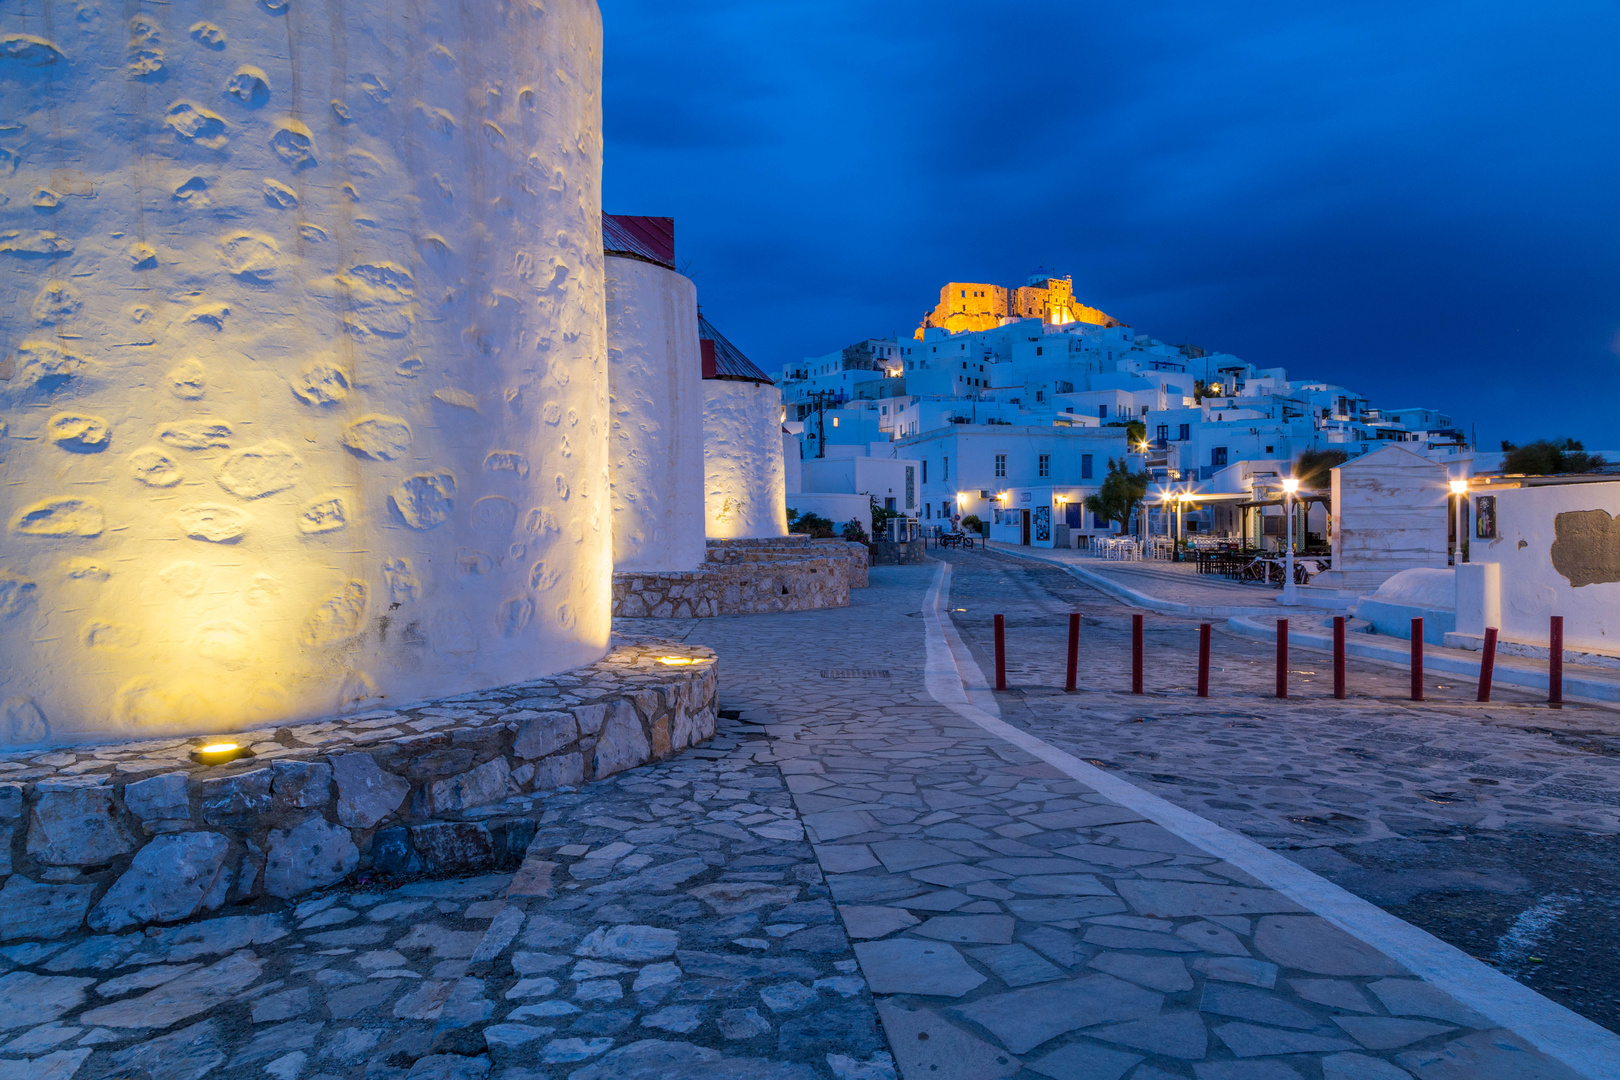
<point x="1338" y="656"/>
<point x="1203" y="660"/>
<point x="1001" y="653"/>
<point x="1282" y="658"/>
<point x="1136" y="654"/>
<point x="1487" y="663"/>
<point x="1417" y="659"/>
<point x="1555" y="661"/>
<point x="1074" y="651"/>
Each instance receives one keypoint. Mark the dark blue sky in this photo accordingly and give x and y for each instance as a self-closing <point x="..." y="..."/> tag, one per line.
<point x="1419" y="200"/>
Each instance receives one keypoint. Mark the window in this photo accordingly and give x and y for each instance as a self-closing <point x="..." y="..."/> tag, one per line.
<point x="1046" y="465"/>
<point x="964" y="365"/>
<point x="925" y="471"/>
<point x="1185" y="433"/>
<point x="1085" y="466"/>
<point x="1163" y="432"/>
<point x="1217" y="457"/>
<point x="945" y="468"/>
<point x="911" y="487"/>
<point x="1001" y="466"/>
<point x="1037" y="350"/>
<point x="1040" y="395"/>
<point x="888" y="503"/>
<point x="964" y="293"/>
<point x="1268" y="449"/>
<point x="835" y="421"/>
<point x="1102" y="412"/>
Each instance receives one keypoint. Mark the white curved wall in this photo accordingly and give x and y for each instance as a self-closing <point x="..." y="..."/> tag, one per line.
<point x="744" y="490"/>
<point x="655" y="446"/>
<point x="305" y="402"/>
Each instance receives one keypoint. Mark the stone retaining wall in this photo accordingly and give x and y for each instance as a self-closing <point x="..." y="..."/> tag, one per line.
<point x="747" y="577"/>
<point x="127" y="835"/>
<point x="899" y="552"/>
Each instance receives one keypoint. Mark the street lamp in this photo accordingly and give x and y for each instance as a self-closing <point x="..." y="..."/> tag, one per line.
<point x="1459" y="488"/>
<point x="1290" y="485"/>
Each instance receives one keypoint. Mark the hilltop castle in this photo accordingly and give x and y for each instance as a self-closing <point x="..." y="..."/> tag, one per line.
<point x="966" y="305"/>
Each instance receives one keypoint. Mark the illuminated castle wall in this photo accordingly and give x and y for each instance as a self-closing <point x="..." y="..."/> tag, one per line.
<point x="303" y="396"/>
<point x="966" y="305"/>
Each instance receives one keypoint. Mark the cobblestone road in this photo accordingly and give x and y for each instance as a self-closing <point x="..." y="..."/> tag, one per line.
<point x="1495" y="827"/>
<point x="848" y="870"/>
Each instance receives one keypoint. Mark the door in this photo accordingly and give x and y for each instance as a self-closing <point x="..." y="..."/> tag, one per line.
<point x="1025" y="540"/>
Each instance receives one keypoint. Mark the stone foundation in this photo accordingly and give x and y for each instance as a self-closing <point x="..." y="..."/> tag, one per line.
<point x="747" y="577"/>
<point x="126" y="835"/>
<point x="898" y="552"/>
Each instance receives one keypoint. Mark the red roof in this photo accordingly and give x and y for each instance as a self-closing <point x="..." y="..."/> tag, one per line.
<point x="723" y="360"/>
<point x="648" y="238"/>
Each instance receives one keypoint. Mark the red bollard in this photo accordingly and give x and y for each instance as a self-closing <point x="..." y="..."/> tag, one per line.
<point x="1487" y="664"/>
<point x="1417" y="659"/>
<point x="1001" y="653"/>
<point x="1074" y="651"/>
<point x="1338" y="656"/>
<point x="1136" y="654"/>
<point x="1282" y="658"/>
<point x="1555" y="661"/>
<point x="1203" y="660"/>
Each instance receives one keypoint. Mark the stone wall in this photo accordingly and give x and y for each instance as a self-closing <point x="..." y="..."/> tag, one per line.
<point x="131" y="834"/>
<point x="748" y="577"/>
<point x="898" y="553"/>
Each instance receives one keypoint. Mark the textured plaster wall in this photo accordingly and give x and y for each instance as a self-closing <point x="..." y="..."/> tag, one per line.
<point x="744" y="490"/>
<point x="1389" y="515"/>
<point x="1557" y="549"/>
<point x="303" y="395"/>
<point x="656" y="443"/>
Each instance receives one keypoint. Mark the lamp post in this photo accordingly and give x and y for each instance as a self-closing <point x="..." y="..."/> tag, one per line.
<point x="1459" y="488"/>
<point x="1290" y="485"/>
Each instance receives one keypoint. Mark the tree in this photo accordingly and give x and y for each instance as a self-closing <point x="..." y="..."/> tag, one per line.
<point x="811" y="523"/>
<point x="1545" y="458"/>
<point x="1121" y="493"/>
<point x="1313" y="466"/>
<point x="880" y="517"/>
<point x="1135" y="433"/>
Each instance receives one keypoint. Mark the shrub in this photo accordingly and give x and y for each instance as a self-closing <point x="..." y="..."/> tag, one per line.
<point x="813" y="524"/>
<point x="854" y="532"/>
<point x="973" y="523"/>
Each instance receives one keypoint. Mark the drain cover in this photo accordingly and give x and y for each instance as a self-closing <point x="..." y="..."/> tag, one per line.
<point x="854" y="673"/>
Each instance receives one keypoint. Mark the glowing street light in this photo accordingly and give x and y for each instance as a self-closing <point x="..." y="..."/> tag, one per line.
<point x="1290" y="486"/>
<point x="219" y="753"/>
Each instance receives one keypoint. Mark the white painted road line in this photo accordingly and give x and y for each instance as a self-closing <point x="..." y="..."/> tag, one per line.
<point x="956" y="682"/>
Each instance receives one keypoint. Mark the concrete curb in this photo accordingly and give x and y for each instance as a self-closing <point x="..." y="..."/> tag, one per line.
<point x="1135" y="598"/>
<point x="1576" y="687"/>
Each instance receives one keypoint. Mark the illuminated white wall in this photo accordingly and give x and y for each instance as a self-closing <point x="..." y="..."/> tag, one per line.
<point x="304" y="395"/>
<point x="745" y="493"/>
<point x="656" y="437"/>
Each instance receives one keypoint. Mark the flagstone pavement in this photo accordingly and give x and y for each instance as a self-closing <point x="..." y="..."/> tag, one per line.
<point x="850" y="881"/>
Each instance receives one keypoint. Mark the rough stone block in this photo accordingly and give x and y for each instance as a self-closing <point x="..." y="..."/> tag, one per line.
<point x="301" y="785"/>
<point x="392" y="853"/>
<point x="160" y="798"/>
<point x="489" y="782"/>
<point x="11" y="801"/>
<point x="169" y="879"/>
<point x="307" y="857"/>
<point x="76" y="825"/>
<point x="235" y="800"/>
<point x="560" y="770"/>
<point x="544" y="735"/>
<point x="366" y="794"/>
<point x="622" y="745"/>
<point x="31" y="910"/>
<point x="660" y="737"/>
<point x="591" y="718"/>
<point x="453" y="845"/>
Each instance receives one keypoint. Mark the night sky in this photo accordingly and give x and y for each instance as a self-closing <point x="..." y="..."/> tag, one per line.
<point x="1417" y="200"/>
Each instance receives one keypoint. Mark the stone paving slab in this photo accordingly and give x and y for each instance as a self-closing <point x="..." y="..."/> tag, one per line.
<point x="1128" y="936"/>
